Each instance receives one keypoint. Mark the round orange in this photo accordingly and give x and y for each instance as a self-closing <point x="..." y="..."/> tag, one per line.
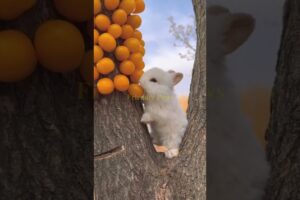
<point x="107" y="42"/>
<point x="75" y="10"/>
<point x="127" y="31"/>
<point x="105" y="66"/>
<point x="142" y="50"/>
<point x="17" y="56"/>
<point x="140" y="65"/>
<point x="136" y="75"/>
<point x="140" y="6"/>
<point x="86" y="67"/>
<point x="121" y="82"/>
<point x="132" y="44"/>
<point x="115" y="30"/>
<point x="135" y="90"/>
<point x="142" y="43"/>
<point x="119" y="17"/>
<point x="105" y="86"/>
<point x="111" y="4"/>
<point x="59" y="45"/>
<point x="137" y="34"/>
<point x="127" y="67"/>
<point x="96" y="74"/>
<point x="96" y="35"/>
<point x="98" y="53"/>
<point x="128" y="6"/>
<point x="122" y="53"/>
<point x="102" y="22"/>
<point x="97" y="6"/>
<point x="11" y="9"/>
<point x="136" y="58"/>
<point x="135" y="21"/>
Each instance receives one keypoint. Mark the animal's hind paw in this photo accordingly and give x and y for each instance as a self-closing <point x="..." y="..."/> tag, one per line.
<point x="171" y="153"/>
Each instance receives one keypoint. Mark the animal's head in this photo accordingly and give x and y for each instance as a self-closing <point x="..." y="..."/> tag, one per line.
<point x="226" y="31"/>
<point x="159" y="82"/>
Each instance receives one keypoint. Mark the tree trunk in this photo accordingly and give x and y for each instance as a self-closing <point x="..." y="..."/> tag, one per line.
<point x="46" y="134"/>
<point x="126" y="164"/>
<point x="283" y="133"/>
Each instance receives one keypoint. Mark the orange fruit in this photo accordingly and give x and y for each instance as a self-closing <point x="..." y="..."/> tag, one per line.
<point x="59" y="45"/>
<point x="127" y="31"/>
<point x="142" y="50"/>
<point x="11" y="9"/>
<point x="128" y="6"/>
<point x="135" y="21"/>
<point x="119" y="17"/>
<point x="98" y="53"/>
<point x="136" y="58"/>
<point x="96" y="35"/>
<point x="86" y="67"/>
<point x="135" y="90"/>
<point x="97" y="6"/>
<point x="121" y="82"/>
<point x="17" y="56"/>
<point x="140" y="6"/>
<point x="115" y="30"/>
<point x="122" y="53"/>
<point x="127" y="67"/>
<point x="140" y="65"/>
<point x="105" y="65"/>
<point x="137" y="34"/>
<point x="105" y="86"/>
<point x="111" y="4"/>
<point x="96" y="74"/>
<point x="142" y="43"/>
<point x="136" y="75"/>
<point x="102" y="22"/>
<point x="75" y="10"/>
<point x="132" y="44"/>
<point x="107" y="42"/>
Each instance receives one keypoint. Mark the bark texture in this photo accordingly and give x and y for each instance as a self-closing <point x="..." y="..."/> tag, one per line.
<point x="283" y="133"/>
<point x="126" y="164"/>
<point x="46" y="134"/>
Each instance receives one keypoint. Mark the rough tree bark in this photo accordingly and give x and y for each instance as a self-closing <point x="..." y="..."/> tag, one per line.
<point x="283" y="133"/>
<point x="126" y="164"/>
<point x="46" y="131"/>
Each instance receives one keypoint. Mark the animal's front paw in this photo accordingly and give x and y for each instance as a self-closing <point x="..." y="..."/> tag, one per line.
<point x="146" y="118"/>
<point x="171" y="153"/>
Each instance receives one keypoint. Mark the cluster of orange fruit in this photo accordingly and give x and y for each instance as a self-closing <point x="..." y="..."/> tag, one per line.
<point x="117" y="42"/>
<point x="58" y="44"/>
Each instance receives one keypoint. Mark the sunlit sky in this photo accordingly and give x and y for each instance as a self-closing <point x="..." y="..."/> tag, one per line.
<point x="253" y="64"/>
<point x="160" y="50"/>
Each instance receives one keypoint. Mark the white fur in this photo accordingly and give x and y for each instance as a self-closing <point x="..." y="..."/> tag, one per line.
<point x="162" y="110"/>
<point x="237" y="167"/>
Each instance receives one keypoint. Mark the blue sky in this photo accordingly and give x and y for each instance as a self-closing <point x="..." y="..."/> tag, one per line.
<point x="252" y="65"/>
<point x="160" y="51"/>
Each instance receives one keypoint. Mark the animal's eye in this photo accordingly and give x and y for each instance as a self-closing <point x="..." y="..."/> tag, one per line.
<point x="153" y="80"/>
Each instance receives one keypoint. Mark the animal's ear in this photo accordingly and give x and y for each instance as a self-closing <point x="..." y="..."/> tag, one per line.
<point x="177" y="78"/>
<point x="240" y="28"/>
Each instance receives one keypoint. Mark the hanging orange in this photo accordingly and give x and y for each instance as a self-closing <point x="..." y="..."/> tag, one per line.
<point x="111" y="4"/>
<point x="127" y="31"/>
<point x="127" y="67"/>
<point x="11" y="9"/>
<point x="102" y="22"/>
<point x="105" y="86"/>
<point x="121" y="82"/>
<point x="128" y="6"/>
<point x="119" y="17"/>
<point x="140" y="6"/>
<point x="135" y="21"/>
<point x="17" y="56"/>
<point x="135" y="91"/>
<point x="115" y="30"/>
<point x="59" y="45"/>
<point x="132" y="44"/>
<point x="75" y="10"/>
<point x="105" y="66"/>
<point x="107" y="42"/>
<point x="122" y="53"/>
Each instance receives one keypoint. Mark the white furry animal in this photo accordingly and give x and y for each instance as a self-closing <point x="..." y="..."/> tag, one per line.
<point x="162" y="110"/>
<point x="236" y="165"/>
